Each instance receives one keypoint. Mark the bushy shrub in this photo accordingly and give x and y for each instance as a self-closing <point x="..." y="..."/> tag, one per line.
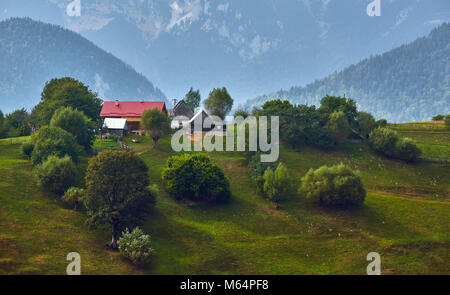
<point x="384" y="140"/>
<point x="336" y="186"/>
<point x="277" y="184"/>
<point x="76" y="123"/>
<point x="27" y="149"/>
<point x="57" y="174"/>
<point x="447" y="121"/>
<point x="406" y="149"/>
<point x="53" y="141"/>
<point x="74" y="196"/>
<point x="382" y="123"/>
<point x="136" y="246"/>
<point x="366" y="123"/>
<point x="196" y="178"/>
<point x="338" y="126"/>
<point x="438" y="118"/>
<point x="256" y="169"/>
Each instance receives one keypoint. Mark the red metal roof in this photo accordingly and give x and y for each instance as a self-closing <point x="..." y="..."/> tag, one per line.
<point x="130" y="108"/>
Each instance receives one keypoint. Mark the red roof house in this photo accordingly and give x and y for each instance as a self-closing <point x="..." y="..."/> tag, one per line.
<point x="130" y="110"/>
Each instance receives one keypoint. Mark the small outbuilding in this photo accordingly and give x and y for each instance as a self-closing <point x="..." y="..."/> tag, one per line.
<point x="116" y="126"/>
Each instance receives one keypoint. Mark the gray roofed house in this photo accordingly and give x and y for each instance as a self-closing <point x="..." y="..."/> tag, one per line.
<point x="180" y="114"/>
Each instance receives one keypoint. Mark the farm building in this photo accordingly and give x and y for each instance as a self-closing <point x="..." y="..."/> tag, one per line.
<point x="116" y="126"/>
<point x="180" y="114"/>
<point x="131" y="111"/>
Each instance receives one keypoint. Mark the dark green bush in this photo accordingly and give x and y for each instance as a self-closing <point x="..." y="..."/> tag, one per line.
<point x="336" y="186"/>
<point x="438" y="118"/>
<point x="54" y="141"/>
<point x="256" y="169"/>
<point x="406" y="149"/>
<point x="57" y="174"/>
<point x="74" y="196"/>
<point x="447" y="121"/>
<point x="196" y="178"/>
<point x="27" y="149"/>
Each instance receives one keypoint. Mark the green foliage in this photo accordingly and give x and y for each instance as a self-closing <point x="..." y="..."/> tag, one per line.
<point x="16" y="124"/>
<point x="117" y="191"/>
<point x="219" y="102"/>
<point x="438" y="118"/>
<point x="2" y="123"/>
<point x="157" y="124"/>
<point x="447" y="121"/>
<point x="277" y="185"/>
<point x="76" y="123"/>
<point x="192" y="99"/>
<point x="27" y="148"/>
<point x="256" y="169"/>
<point x="331" y="104"/>
<point x="67" y="92"/>
<point x="382" y="123"/>
<point x="338" y="126"/>
<point x="57" y="174"/>
<point x="243" y="113"/>
<point x="406" y="149"/>
<point x="195" y="177"/>
<point x="336" y="186"/>
<point x="74" y="196"/>
<point x="136" y="246"/>
<point x="383" y="140"/>
<point x="366" y="123"/>
<point x="53" y="141"/>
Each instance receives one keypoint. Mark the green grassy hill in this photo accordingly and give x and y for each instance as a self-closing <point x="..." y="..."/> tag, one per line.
<point x="405" y="218"/>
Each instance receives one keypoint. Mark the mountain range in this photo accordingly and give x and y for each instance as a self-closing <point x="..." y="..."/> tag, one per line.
<point x="408" y="83"/>
<point x="33" y="52"/>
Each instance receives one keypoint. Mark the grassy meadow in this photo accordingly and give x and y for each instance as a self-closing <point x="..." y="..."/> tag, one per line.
<point x="405" y="218"/>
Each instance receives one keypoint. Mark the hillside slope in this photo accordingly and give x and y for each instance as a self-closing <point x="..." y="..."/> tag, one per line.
<point x="409" y="83"/>
<point x="32" y="53"/>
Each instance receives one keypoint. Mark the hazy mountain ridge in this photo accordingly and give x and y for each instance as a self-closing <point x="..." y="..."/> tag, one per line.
<point x="408" y="83"/>
<point x="33" y="52"/>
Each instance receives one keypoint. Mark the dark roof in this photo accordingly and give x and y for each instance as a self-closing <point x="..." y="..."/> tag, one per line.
<point x="181" y="109"/>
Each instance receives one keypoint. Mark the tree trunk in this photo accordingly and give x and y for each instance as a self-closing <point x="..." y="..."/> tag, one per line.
<point x="113" y="244"/>
<point x="278" y="205"/>
<point x="76" y="206"/>
<point x="155" y="143"/>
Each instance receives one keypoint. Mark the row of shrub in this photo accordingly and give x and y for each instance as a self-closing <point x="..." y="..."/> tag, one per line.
<point x="389" y="143"/>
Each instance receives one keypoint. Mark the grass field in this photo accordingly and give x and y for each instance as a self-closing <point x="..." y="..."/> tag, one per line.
<point x="405" y="218"/>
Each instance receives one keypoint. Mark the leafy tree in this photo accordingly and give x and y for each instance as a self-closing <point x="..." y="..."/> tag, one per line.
<point x="196" y="178"/>
<point x="243" y="113"/>
<point x="336" y="186"/>
<point x="66" y="92"/>
<point x="338" y="126"/>
<point x="366" y="123"/>
<point x="331" y="104"/>
<point x="192" y="99"/>
<point x="382" y="123"/>
<point x="27" y="149"/>
<point x="219" y="102"/>
<point x="136" y="246"/>
<point x="54" y="141"/>
<point x="277" y="185"/>
<point x="438" y="118"/>
<point x="384" y="140"/>
<point x="76" y="123"/>
<point x="157" y="124"/>
<point x="256" y="169"/>
<point x="16" y="123"/>
<point x="117" y="191"/>
<point x="74" y="196"/>
<point x="447" y="121"/>
<point x="406" y="149"/>
<point x="2" y="123"/>
<point x="57" y="174"/>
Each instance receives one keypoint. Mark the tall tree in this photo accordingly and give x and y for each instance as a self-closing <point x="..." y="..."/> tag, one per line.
<point x="117" y="191"/>
<point x="192" y="99"/>
<point x="65" y="92"/>
<point x="16" y="123"/>
<point x="338" y="127"/>
<point x="156" y="123"/>
<point x="277" y="185"/>
<point x="2" y="123"/>
<point x="219" y="102"/>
